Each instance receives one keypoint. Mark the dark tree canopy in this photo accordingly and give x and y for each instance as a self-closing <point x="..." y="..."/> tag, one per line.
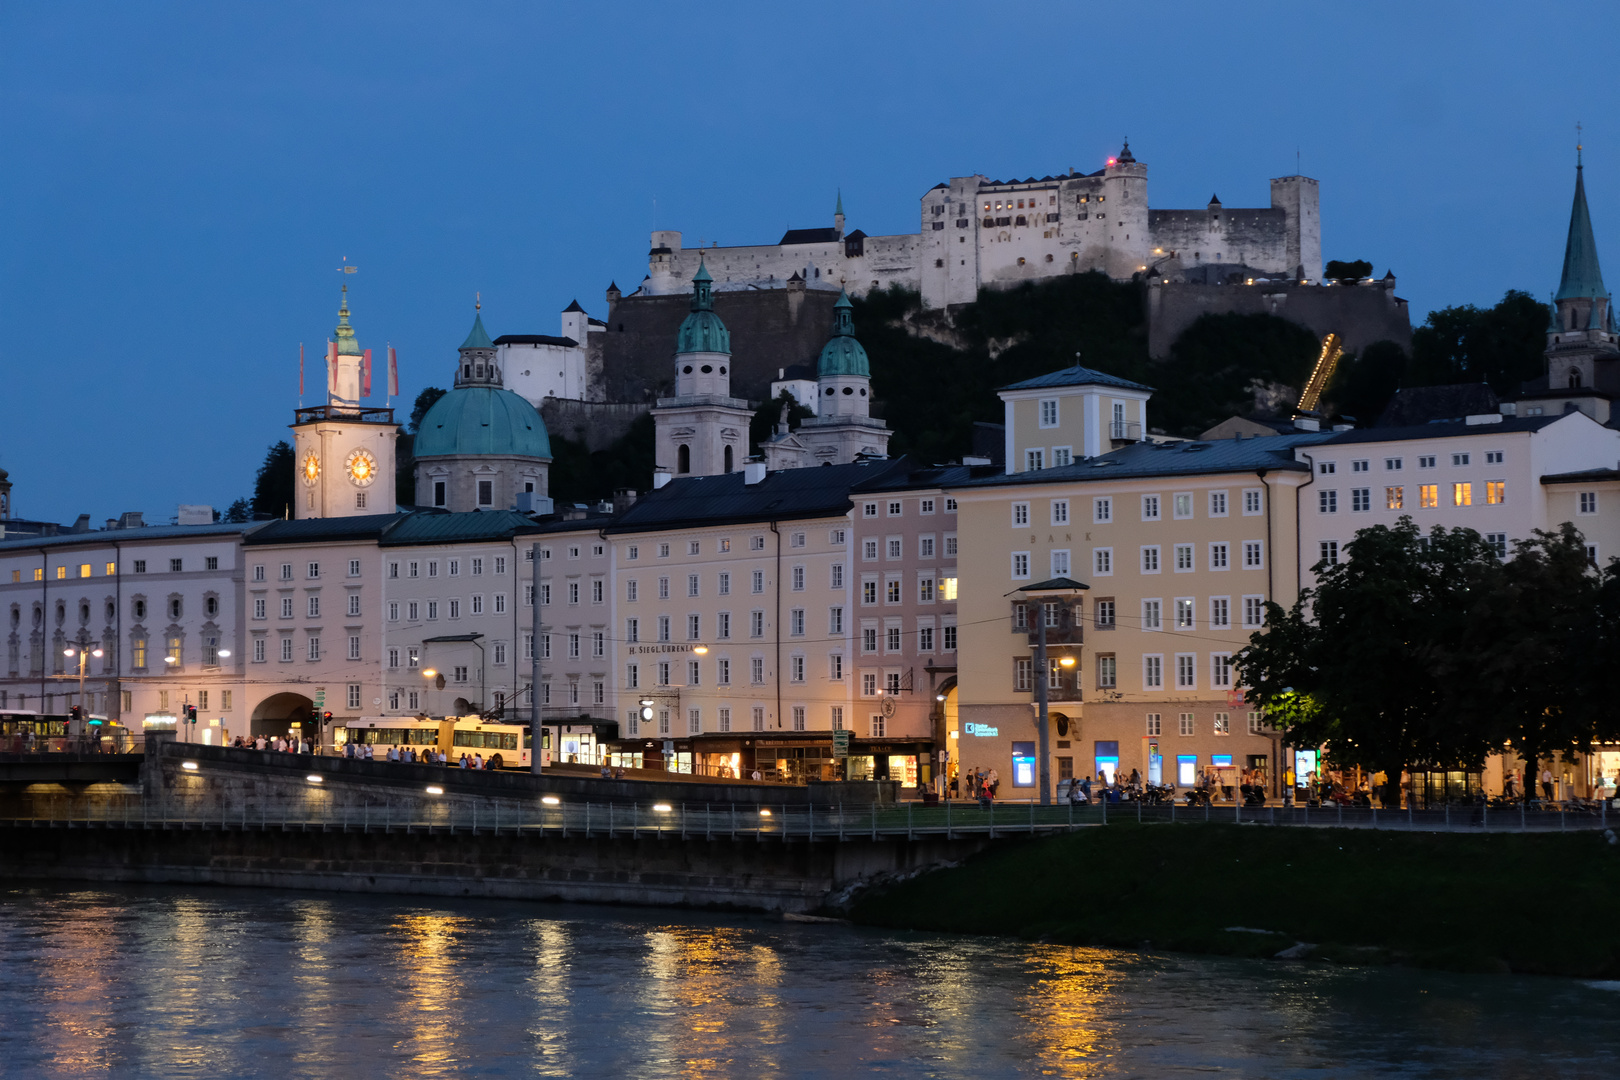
<point x="769" y="414"/>
<point x="239" y="511"/>
<point x="1363" y="385"/>
<point x="579" y="475"/>
<point x="273" y="490"/>
<point x="1356" y="269"/>
<point x="424" y="402"/>
<point x="1502" y="345"/>
<point x="1230" y="364"/>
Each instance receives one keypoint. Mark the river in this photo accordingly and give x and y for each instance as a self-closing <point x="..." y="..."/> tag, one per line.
<point x="129" y="981"/>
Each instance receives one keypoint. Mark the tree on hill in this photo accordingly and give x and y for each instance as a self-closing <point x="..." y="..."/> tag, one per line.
<point x="1502" y="345"/>
<point x="1363" y="384"/>
<point x="1354" y="270"/>
<point x="580" y="475"/>
<point x="1229" y="364"/>
<point x="424" y="402"/>
<point x="273" y="489"/>
<point x="1376" y="660"/>
<point x="238" y="512"/>
<point x="769" y="414"/>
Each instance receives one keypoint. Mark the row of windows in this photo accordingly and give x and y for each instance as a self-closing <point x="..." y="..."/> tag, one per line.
<point x="1183" y="673"/>
<point x="896" y="508"/>
<point x="797" y="623"/>
<point x="893" y="547"/>
<point x="1461" y="494"/>
<point x="414" y="567"/>
<point x="1180" y="615"/>
<point x="84" y="570"/>
<point x="1152" y="508"/>
<point x="1459" y="460"/>
<point x="1183" y="559"/>
<point x="1220" y="724"/>
<point x="665" y="719"/>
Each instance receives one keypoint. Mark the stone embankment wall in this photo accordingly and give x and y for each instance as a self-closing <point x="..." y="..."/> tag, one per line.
<point x="248" y="819"/>
<point x="1359" y="314"/>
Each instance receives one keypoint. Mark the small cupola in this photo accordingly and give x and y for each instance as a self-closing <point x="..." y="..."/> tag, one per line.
<point x="477" y="366"/>
<point x="703" y="345"/>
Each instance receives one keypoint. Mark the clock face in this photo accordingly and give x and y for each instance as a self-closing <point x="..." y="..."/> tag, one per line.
<point x="312" y="468"/>
<point x="362" y="467"/>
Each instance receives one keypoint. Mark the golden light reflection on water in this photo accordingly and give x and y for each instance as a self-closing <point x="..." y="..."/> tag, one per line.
<point x="76" y="956"/>
<point x="549" y="981"/>
<point x="716" y="993"/>
<point x="1072" y="1006"/>
<point x="431" y="945"/>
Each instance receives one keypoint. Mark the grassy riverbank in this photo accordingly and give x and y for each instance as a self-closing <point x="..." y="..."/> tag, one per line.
<point x="1499" y="902"/>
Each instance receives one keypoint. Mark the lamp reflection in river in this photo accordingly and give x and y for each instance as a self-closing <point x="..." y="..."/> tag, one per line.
<point x="432" y="989"/>
<point x="552" y="943"/>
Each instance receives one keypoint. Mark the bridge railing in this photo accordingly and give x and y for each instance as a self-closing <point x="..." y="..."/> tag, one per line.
<point x="390" y="812"/>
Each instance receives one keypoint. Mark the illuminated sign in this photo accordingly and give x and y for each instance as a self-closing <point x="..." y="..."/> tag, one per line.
<point x="983" y="731"/>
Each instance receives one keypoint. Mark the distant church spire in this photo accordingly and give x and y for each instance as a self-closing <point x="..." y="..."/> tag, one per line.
<point x="1582" y="277"/>
<point x="346" y="345"/>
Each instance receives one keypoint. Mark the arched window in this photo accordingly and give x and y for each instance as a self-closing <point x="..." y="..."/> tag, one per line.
<point x="728" y="459"/>
<point x="683" y="458"/>
<point x="1574" y="378"/>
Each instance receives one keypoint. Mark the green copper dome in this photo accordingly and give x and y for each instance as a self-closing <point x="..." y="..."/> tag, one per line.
<point x="843" y="355"/>
<point x="703" y="331"/>
<point x="474" y="420"/>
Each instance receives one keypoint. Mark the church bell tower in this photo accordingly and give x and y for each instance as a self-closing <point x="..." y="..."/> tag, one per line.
<point x="343" y="451"/>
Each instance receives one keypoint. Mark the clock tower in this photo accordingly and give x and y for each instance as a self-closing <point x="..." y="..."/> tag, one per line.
<point x="344" y="450"/>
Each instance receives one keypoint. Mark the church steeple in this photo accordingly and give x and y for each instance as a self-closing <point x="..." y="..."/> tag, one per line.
<point x="476" y="366"/>
<point x="1582" y="278"/>
<point x="346" y="344"/>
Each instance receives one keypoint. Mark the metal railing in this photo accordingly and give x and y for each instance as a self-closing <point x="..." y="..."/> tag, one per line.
<point x="332" y="811"/>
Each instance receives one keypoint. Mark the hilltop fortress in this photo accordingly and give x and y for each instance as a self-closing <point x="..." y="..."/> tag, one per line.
<point x="598" y="375"/>
<point x="975" y="232"/>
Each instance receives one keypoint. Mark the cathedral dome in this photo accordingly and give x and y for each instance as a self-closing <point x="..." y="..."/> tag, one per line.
<point x="843" y="355"/>
<point x="703" y="331"/>
<point x="474" y="420"/>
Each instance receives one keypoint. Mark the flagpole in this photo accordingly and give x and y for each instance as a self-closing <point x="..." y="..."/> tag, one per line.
<point x="300" y="374"/>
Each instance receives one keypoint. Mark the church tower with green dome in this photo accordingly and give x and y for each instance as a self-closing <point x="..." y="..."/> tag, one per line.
<point x="702" y="430"/>
<point x="843" y="428"/>
<point x="344" y="450"/>
<point x="481" y="447"/>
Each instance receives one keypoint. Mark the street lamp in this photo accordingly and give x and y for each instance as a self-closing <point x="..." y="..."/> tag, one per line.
<point x="82" y="651"/>
<point x="1054" y="592"/>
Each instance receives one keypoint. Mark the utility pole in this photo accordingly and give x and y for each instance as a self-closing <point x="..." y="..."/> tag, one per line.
<point x="537" y="729"/>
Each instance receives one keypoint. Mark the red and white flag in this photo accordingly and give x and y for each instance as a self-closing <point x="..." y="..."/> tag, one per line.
<point x="300" y="372"/>
<point x="331" y="367"/>
<point x="393" y="373"/>
<point x="365" y="374"/>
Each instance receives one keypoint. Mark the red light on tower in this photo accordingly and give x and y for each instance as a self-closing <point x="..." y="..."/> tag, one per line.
<point x="1113" y="161"/>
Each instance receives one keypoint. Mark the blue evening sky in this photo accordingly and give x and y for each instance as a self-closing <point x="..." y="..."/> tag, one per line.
<point x="180" y="181"/>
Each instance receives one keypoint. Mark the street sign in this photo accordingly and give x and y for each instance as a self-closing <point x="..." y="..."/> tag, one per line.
<point x="320" y="698"/>
<point x="840" y="740"/>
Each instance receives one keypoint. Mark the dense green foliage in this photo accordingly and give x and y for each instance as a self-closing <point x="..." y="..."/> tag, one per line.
<point x="1183" y="887"/>
<point x="1503" y="345"/>
<point x="1355" y="270"/>
<point x="769" y="414"/>
<point x="1225" y="365"/>
<point x="579" y="475"/>
<point x="273" y="489"/>
<point x="1431" y="650"/>
<point x="1363" y="385"/>
<point x="424" y="402"/>
<point x="936" y="378"/>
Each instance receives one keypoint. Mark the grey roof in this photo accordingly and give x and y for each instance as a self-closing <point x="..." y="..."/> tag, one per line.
<point x="1054" y="585"/>
<point x="1148" y="459"/>
<point x="1585" y="476"/>
<point x="535" y="339"/>
<point x="915" y="477"/>
<point x="1075" y="376"/>
<point x="420" y="526"/>
<point x="809" y="236"/>
<point x="103" y="537"/>
<point x="1446" y="429"/>
<point x="821" y="491"/>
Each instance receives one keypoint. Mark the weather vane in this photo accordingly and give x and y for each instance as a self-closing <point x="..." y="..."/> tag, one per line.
<point x="346" y="268"/>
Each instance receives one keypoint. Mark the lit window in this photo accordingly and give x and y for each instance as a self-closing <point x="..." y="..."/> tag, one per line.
<point x="1429" y="496"/>
<point x="1495" y="492"/>
<point x="1462" y="494"/>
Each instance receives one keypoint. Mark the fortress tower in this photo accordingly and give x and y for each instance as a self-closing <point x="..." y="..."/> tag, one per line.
<point x="344" y="451"/>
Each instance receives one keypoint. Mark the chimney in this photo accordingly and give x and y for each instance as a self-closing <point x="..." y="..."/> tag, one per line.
<point x="623" y="499"/>
<point x="112" y="523"/>
<point x="660" y="478"/>
<point x="82" y="525"/>
<point x="1306" y="423"/>
<point x="753" y="472"/>
<point x="130" y="519"/>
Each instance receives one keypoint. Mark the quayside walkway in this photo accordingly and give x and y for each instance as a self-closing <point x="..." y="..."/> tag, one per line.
<point x="432" y="810"/>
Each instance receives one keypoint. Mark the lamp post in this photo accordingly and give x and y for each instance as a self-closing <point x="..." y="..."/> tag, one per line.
<point x="82" y="649"/>
<point x="536" y="727"/>
<point x="1055" y="591"/>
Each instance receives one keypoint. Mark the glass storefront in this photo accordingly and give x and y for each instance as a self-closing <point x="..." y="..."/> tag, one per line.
<point x="1023" y="762"/>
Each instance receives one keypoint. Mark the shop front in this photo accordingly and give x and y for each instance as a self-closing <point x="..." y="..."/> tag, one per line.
<point x="908" y="761"/>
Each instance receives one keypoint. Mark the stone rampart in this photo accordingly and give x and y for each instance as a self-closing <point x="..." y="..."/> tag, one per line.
<point x="1360" y="314"/>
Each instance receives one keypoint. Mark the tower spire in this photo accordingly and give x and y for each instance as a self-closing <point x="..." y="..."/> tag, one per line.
<point x="346" y="345"/>
<point x="1582" y="277"/>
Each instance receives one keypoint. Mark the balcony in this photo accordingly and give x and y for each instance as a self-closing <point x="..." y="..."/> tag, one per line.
<point x="343" y="412"/>
<point x="1067" y="629"/>
<point x="1125" y="431"/>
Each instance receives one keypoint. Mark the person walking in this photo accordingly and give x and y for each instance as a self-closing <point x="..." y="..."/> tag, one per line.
<point x="1547" y="784"/>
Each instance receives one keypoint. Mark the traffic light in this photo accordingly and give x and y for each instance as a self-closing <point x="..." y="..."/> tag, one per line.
<point x="326" y="717"/>
<point x="191" y="714"/>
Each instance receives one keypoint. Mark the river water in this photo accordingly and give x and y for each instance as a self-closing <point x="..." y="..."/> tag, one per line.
<point x="159" y="982"/>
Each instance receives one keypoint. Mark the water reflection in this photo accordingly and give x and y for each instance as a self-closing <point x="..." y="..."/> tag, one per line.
<point x="169" y="982"/>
